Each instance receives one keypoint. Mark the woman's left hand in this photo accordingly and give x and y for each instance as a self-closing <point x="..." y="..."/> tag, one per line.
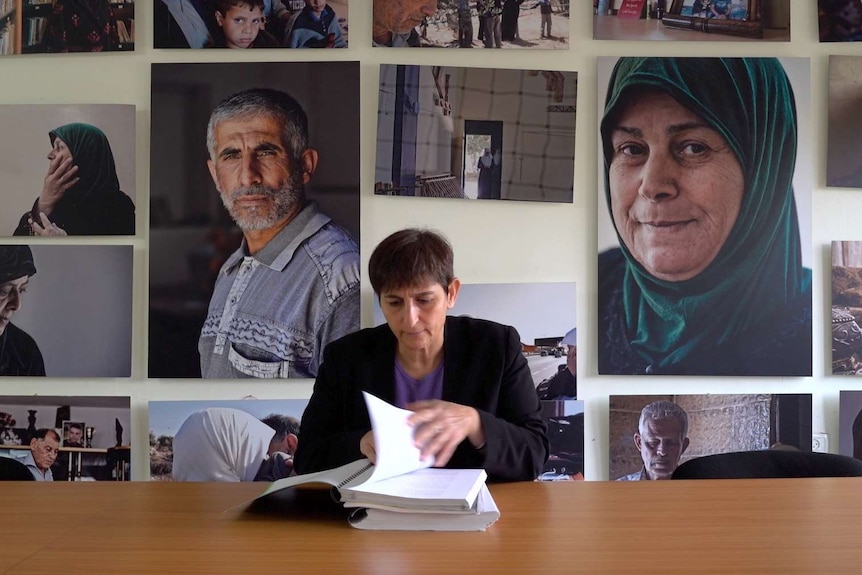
<point x="47" y="227"/>
<point x="440" y="426"/>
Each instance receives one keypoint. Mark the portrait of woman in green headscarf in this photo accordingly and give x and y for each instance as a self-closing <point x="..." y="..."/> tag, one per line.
<point x="708" y="278"/>
<point x="81" y="191"/>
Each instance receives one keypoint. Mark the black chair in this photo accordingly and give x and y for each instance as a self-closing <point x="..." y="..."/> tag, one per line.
<point x="770" y="463"/>
<point x="14" y="470"/>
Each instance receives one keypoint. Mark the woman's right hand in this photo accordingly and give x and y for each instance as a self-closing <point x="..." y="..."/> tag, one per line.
<point x="61" y="176"/>
<point x="366" y="446"/>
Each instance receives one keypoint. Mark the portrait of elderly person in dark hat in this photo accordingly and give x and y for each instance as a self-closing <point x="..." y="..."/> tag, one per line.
<point x="19" y="354"/>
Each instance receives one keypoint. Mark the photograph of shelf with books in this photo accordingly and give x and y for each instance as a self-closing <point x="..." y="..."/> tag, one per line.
<point x="402" y="490"/>
<point x="242" y="24"/>
<point x="65" y="438"/>
<point x="223" y="440"/>
<point x="53" y="26"/>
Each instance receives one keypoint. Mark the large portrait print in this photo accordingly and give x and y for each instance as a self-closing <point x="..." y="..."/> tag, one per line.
<point x="69" y="170"/>
<point x="254" y="217"/>
<point x="651" y="435"/>
<point x="65" y="310"/>
<point x="476" y="133"/>
<point x="243" y="24"/>
<point x="704" y="234"/>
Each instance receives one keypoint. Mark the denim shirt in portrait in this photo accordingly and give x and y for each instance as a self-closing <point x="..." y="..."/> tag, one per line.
<point x="272" y="314"/>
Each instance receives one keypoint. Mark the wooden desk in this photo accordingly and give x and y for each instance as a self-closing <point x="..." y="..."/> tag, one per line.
<point x="805" y="526"/>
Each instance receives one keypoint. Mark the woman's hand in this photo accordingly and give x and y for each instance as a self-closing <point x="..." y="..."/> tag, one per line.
<point x="440" y="426"/>
<point x="61" y="176"/>
<point x="366" y="447"/>
<point x="47" y="227"/>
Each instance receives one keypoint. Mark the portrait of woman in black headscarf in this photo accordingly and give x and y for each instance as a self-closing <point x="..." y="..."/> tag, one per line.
<point x="708" y="278"/>
<point x="19" y="354"/>
<point x="81" y="192"/>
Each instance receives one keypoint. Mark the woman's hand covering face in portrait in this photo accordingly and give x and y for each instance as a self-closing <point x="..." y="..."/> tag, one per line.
<point x="62" y="175"/>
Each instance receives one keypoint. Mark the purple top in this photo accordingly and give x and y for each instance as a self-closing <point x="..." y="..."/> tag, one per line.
<point x="408" y="389"/>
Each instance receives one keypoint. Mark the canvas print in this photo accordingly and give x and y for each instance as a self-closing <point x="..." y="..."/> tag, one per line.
<point x="846" y="308"/>
<point x="840" y="20"/>
<point x="518" y="24"/>
<point x="53" y="26"/>
<point x="844" y="143"/>
<point x="693" y="20"/>
<point x="68" y="171"/>
<point x="67" y="438"/>
<point x="565" y="420"/>
<point x="254" y="257"/>
<point x="850" y="424"/>
<point x="76" y="317"/>
<point x="651" y="435"/>
<point x="224" y="440"/>
<point x="242" y="24"/>
<point x="476" y="133"/>
<point x="704" y="235"/>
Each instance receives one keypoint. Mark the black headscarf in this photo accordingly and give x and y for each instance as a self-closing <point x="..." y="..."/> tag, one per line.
<point x="16" y="262"/>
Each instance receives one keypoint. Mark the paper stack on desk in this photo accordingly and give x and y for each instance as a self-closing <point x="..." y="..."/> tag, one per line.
<point x="402" y="492"/>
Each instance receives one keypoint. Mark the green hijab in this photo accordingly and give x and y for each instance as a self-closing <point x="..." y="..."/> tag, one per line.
<point x="91" y="152"/>
<point x="759" y="269"/>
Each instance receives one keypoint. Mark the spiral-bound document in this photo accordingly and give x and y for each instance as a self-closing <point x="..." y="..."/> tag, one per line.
<point x="402" y="483"/>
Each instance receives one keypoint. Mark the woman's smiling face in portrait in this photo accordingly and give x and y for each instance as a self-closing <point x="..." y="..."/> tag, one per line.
<point x="676" y="186"/>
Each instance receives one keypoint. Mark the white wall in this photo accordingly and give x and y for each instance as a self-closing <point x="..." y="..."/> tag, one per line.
<point x="511" y="231"/>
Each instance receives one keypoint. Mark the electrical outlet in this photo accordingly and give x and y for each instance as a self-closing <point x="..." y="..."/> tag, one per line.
<point x="820" y="443"/>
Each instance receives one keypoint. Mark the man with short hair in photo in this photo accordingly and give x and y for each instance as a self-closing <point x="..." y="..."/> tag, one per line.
<point x="74" y="435"/>
<point x="293" y="285"/>
<point x="662" y="438"/>
<point x="44" y="448"/>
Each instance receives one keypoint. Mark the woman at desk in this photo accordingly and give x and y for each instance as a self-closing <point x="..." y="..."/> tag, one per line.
<point x="708" y="277"/>
<point x="465" y="379"/>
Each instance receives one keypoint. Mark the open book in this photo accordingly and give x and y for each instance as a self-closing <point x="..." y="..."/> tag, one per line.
<point x="402" y="484"/>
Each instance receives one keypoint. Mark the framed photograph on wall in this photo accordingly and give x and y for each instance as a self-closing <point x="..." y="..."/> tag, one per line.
<point x="731" y="17"/>
<point x="73" y="434"/>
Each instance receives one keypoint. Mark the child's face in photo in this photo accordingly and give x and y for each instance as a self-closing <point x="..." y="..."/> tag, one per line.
<point x="315" y="6"/>
<point x="240" y="25"/>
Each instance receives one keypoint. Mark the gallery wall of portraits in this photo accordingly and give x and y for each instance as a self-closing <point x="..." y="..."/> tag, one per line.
<point x="119" y="315"/>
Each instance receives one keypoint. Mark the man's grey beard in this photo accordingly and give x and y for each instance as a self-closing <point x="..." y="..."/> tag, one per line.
<point x="252" y="219"/>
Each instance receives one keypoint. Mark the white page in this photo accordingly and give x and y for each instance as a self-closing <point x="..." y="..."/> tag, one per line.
<point x="393" y="440"/>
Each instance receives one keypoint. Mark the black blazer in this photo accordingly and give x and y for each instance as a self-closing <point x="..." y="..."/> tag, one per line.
<point x="483" y="368"/>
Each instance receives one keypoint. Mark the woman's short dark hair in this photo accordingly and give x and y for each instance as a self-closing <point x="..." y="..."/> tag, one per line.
<point x="410" y="257"/>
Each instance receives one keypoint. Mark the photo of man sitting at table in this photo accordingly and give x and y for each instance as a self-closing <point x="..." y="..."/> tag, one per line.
<point x="47" y="435"/>
<point x="651" y="435"/>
